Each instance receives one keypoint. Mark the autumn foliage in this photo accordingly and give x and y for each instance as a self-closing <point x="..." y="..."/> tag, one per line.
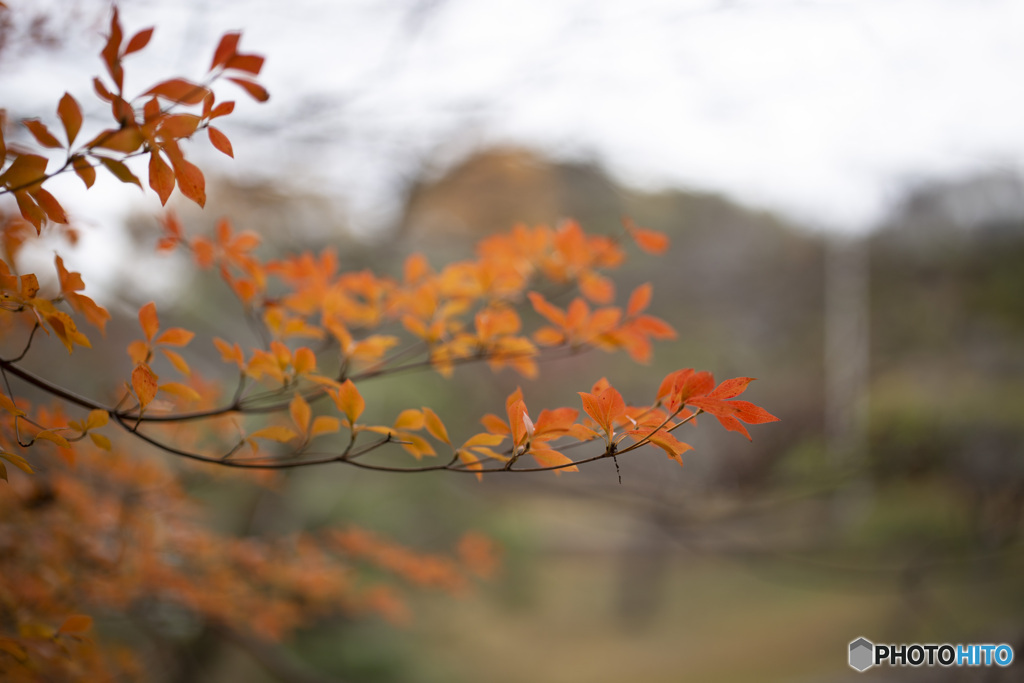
<point x="93" y="527"/>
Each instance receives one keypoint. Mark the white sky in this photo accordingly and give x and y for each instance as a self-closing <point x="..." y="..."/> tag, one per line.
<point x="820" y="109"/>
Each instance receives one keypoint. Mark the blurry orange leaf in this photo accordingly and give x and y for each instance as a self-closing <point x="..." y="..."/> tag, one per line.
<point x="175" y="336"/>
<point x="180" y="90"/>
<point x="148" y="320"/>
<point x="177" y="361"/>
<point x="161" y="177"/>
<point x="76" y="623"/>
<point x="300" y="412"/>
<point x="227" y="47"/>
<point x="255" y="90"/>
<point x="180" y="390"/>
<point x="324" y="424"/>
<point x="274" y="433"/>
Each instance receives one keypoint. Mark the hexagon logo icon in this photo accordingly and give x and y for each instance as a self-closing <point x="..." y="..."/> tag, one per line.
<point x="862" y="653"/>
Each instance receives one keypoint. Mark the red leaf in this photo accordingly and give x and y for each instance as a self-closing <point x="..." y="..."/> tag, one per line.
<point x="110" y="52"/>
<point x="220" y="141"/>
<point x="249" y="63"/>
<point x="222" y="109"/>
<point x="255" y="90"/>
<point x="178" y="125"/>
<point x="227" y="47"/>
<point x="190" y="181"/>
<point x="161" y="177"/>
<point x="138" y="41"/>
<point x="102" y="91"/>
<point x="180" y="90"/>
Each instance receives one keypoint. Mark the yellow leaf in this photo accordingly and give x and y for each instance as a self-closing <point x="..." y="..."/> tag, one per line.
<point x="97" y="418"/>
<point x="17" y="461"/>
<point x="100" y="441"/>
<point x="8" y="405"/>
<point x="180" y="390"/>
<point x="53" y="437"/>
<point x="274" y="433"/>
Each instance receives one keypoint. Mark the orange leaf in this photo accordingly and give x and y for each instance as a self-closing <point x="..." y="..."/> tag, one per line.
<point x="161" y="177"/>
<point x="178" y="126"/>
<point x="639" y="300"/>
<point x="252" y="64"/>
<point x="435" y="426"/>
<point x="301" y="413"/>
<point x="24" y="171"/>
<point x="410" y="418"/>
<point x="179" y="90"/>
<point x="226" y="48"/>
<point x="228" y="353"/>
<point x="274" y="433"/>
<point x="71" y="116"/>
<point x="349" y="401"/>
<point x="119" y="170"/>
<point x="76" y="623"/>
<point x="180" y="390"/>
<point x="148" y="320"/>
<point x="324" y="425"/>
<point x="84" y="170"/>
<point x="41" y="133"/>
<point x="548" y="457"/>
<point x="49" y="204"/>
<point x="177" y="361"/>
<point x="144" y="382"/>
<point x="220" y="141"/>
<point x="190" y="181"/>
<point x="175" y="336"/>
<point x="255" y="90"/>
<point x="138" y="41"/>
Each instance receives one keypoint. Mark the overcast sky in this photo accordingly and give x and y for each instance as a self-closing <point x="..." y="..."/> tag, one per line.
<point x="820" y="109"/>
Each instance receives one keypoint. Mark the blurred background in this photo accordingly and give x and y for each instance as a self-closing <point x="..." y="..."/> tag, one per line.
<point x="841" y="184"/>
